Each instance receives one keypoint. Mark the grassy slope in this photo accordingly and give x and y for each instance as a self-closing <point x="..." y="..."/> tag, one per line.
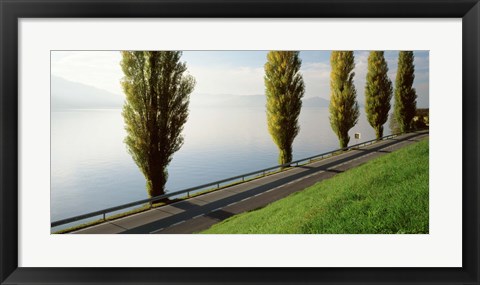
<point x="387" y="195"/>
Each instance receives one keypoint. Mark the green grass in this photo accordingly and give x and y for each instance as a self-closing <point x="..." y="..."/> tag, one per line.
<point x="387" y="195"/>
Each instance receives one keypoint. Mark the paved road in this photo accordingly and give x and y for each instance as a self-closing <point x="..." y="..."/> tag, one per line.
<point x="201" y="212"/>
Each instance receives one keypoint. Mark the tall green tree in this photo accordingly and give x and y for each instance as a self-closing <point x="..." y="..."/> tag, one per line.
<point x="405" y="94"/>
<point x="284" y="90"/>
<point x="155" y="111"/>
<point x="378" y="92"/>
<point x="343" y="107"/>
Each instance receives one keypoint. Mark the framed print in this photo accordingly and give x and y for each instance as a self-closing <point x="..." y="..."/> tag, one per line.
<point x="239" y="142"/>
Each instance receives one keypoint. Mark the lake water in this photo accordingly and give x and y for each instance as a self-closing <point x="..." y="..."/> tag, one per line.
<point x="91" y="169"/>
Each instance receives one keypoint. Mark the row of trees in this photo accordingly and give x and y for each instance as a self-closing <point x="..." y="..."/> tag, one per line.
<point x="285" y="89"/>
<point x="158" y="92"/>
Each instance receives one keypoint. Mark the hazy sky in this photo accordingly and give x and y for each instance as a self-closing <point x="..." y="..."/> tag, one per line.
<point x="232" y="72"/>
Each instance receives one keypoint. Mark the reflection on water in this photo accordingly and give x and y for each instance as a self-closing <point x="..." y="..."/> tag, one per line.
<point x="91" y="169"/>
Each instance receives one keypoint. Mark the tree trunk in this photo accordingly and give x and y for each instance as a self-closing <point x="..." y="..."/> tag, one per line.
<point x="344" y="139"/>
<point x="156" y="185"/>
<point x="285" y="155"/>
<point x="379" y="132"/>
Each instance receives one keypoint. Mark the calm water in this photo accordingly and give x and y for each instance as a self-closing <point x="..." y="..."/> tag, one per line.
<point x="91" y="169"/>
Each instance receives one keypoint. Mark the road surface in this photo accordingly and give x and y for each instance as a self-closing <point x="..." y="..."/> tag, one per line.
<point x="201" y="212"/>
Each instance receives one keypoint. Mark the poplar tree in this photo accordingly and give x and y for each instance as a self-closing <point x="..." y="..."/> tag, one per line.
<point x="378" y="92"/>
<point x="405" y="94"/>
<point x="155" y="111"/>
<point x="284" y="91"/>
<point x="343" y="107"/>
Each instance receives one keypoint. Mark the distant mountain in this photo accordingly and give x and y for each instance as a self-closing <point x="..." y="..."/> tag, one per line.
<point x="225" y="100"/>
<point x="67" y="94"/>
<point x="315" y="102"/>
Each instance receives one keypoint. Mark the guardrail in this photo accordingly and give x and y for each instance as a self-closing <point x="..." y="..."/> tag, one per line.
<point x="264" y="171"/>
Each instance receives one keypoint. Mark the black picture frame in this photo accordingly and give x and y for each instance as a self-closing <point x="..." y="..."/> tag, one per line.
<point x="11" y="11"/>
